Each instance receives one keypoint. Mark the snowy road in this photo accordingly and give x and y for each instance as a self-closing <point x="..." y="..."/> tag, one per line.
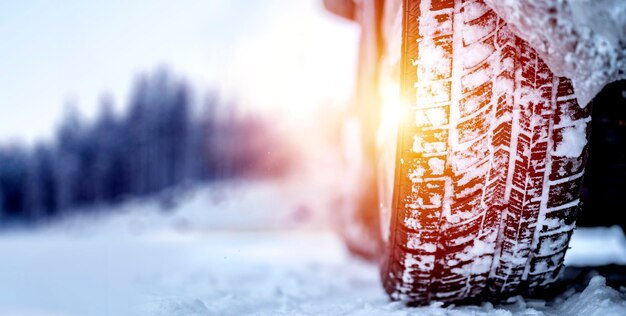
<point x="218" y="273"/>
<point x="221" y="273"/>
<point x="234" y="252"/>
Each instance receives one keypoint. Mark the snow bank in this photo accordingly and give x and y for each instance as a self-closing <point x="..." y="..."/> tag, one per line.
<point x="584" y="40"/>
<point x="597" y="246"/>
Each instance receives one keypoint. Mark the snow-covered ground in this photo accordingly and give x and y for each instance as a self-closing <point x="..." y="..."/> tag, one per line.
<point x="232" y="249"/>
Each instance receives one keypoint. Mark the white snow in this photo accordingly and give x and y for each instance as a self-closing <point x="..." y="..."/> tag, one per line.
<point x="436" y="165"/>
<point x="476" y="53"/>
<point x="479" y="248"/>
<point x="413" y="223"/>
<point x="574" y="140"/>
<point x="421" y="146"/>
<point x="436" y="116"/>
<point x="596" y="299"/>
<point x="476" y="78"/>
<point x="436" y="59"/>
<point x="474" y="10"/>
<point x="475" y="32"/>
<point x="63" y="270"/>
<point x="597" y="246"/>
<point x="435" y="200"/>
<point x="433" y="92"/>
<point x="584" y="40"/>
<point x="420" y="118"/>
<point x="106" y="266"/>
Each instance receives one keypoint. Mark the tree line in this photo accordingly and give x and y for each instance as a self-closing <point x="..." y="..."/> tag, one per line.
<point x="162" y="140"/>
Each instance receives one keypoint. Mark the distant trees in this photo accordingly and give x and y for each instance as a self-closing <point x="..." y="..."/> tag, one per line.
<point x="157" y="143"/>
<point x="13" y="178"/>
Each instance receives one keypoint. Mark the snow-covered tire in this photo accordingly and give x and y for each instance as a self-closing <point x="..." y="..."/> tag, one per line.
<point x="490" y="157"/>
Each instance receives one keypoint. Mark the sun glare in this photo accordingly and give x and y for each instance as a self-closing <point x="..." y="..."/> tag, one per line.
<point x="391" y="109"/>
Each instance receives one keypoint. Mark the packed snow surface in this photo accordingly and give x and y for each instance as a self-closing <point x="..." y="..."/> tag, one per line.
<point x="584" y="40"/>
<point x="197" y="259"/>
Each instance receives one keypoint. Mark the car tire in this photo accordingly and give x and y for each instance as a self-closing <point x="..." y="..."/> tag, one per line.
<point x="490" y="156"/>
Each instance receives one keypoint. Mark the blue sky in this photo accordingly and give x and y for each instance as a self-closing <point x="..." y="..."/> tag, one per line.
<point x="268" y="53"/>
